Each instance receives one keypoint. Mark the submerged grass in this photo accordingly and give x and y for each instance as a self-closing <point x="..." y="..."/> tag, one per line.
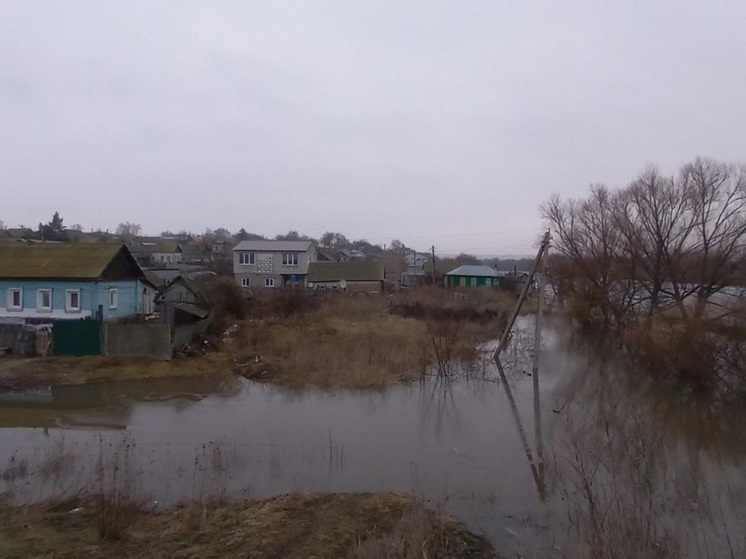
<point x="356" y="526"/>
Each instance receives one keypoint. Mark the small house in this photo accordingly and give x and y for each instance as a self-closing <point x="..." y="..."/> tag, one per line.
<point x="472" y="276"/>
<point x="184" y="305"/>
<point x="158" y="255"/>
<point x="66" y="281"/>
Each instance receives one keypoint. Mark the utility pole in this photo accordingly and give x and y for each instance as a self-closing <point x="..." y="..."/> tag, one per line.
<point x="540" y="310"/>
<point x="503" y="340"/>
<point x="433" y="249"/>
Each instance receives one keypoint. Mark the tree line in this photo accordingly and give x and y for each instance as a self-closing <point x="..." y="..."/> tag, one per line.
<point x="664" y="253"/>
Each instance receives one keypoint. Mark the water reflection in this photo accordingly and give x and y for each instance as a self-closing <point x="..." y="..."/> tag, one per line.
<point x="104" y="405"/>
<point x="573" y="462"/>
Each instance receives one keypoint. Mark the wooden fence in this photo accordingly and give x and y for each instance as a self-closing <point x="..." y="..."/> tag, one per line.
<point x="138" y="340"/>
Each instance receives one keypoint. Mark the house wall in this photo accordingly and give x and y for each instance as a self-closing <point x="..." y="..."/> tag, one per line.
<point x="178" y="293"/>
<point x="269" y="265"/>
<point x="356" y="286"/>
<point x="471" y="281"/>
<point x="92" y="294"/>
<point x="165" y="258"/>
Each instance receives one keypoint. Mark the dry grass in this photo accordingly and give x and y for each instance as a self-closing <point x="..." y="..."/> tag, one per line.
<point x="358" y="526"/>
<point x="332" y="341"/>
<point x="33" y="372"/>
<point x="363" y="342"/>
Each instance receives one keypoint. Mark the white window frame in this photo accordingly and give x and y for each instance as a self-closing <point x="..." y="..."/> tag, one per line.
<point x="40" y="307"/>
<point x="11" y="305"/>
<point x="113" y="298"/>
<point x="245" y="282"/>
<point x="68" y="300"/>
<point x="290" y="259"/>
<point x="269" y="282"/>
<point x="246" y="258"/>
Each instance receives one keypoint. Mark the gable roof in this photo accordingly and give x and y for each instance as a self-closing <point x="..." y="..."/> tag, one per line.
<point x="274" y="246"/>
<point x="154" y="279"/>
<point x="349" y="271"/>
<point x="474" y="271"/>
<point x="200" y="284"/>
<point x="62" y="260"/>
<point x="156" y="248"/>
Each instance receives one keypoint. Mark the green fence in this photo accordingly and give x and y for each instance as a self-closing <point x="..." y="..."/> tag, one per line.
<point x="77" y="337"/>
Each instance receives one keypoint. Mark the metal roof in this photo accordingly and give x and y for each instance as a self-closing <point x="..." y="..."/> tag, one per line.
<point x="349" y="271"/>
<point x="274" y="246"/>
<point x="474" y="271"/>
<point x="58" y="260"/>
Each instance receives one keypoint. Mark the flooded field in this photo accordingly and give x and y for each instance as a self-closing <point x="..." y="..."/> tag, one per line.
<point x="596" y="459"/>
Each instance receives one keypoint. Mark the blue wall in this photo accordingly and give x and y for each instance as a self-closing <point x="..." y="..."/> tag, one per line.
<point x="92" y="295"/>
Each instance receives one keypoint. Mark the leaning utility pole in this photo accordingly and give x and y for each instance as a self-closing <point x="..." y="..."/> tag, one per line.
<point x="542" y="249"/>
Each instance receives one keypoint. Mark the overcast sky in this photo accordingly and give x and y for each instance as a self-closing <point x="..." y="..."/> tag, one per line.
<point x="442" y="123"/>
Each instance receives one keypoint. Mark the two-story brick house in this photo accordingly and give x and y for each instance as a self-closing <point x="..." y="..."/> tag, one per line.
<point x="268" y="264"/>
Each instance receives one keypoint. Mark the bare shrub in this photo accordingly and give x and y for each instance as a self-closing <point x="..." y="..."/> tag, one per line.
<point x="289" y="302"/>
<point x="227" y="302"/>
<point x="116" y="504"/>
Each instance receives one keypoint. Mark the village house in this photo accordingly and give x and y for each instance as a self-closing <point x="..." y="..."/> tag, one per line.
<point x="473" y="276"/>
<point x="347" y="276"/>
<point x="268" y="264"/>
<point x="184" y="305"/>
<point x="158" y="255"/>
<point x="65" y="281"/>
<point x="414" y="269"/>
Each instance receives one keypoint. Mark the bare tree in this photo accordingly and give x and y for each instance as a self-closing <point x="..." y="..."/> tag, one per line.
<point x="128" y="229"/>
<point x="333" y="240"/>
<point x="717" y="194"/>
<point x="593" y="270"/>
<point x="661" y="241"/>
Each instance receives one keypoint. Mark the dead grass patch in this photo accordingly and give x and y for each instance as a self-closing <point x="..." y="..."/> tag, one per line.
<point x="349" y="341"/>
<point x="291" y="526"/>
<point x="333" y="340"/>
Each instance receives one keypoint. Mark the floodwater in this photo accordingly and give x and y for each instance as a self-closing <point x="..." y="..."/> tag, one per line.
<point x="597" y="457"/>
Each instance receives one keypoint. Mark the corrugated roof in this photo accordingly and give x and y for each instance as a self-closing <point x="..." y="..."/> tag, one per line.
<point x="350" y="271"/>
<point x="58" y="260"/>
<point x="474" y="271"/>
<point x="274" y="246"/>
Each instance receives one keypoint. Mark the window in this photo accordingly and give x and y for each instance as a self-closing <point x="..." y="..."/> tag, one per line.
<point x="15" y="299"/>
<point x="290" y="259"/>
<point x="246" y="258"/>
<point x="245" y="282"/>
<point x="113" y="298"/>
<point x="269" y="282"/>
<point x="44" y="300"/>
<point x="72" y="300"/>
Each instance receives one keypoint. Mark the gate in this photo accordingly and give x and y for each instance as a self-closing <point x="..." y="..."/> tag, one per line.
<point x="77" y="337"/>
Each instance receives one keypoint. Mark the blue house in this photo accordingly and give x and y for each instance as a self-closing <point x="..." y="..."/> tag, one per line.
<point x="53" y="281"/>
